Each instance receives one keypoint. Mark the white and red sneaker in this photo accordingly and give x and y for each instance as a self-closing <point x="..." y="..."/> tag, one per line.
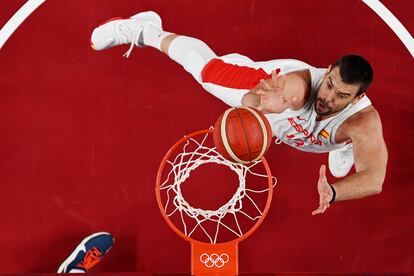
<point x="341" y="161"/>
<point x="117" y="31"/>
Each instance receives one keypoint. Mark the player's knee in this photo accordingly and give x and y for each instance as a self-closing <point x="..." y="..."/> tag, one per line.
<point x="193" y="54"/>
<point x="194" y="64"/>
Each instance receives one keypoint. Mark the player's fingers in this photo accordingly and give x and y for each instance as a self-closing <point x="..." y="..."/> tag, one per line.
<point x="326" y="203"/>
<point x="322" y="170"/>
<point x="265" y="84"/>
<point x="261" y="92"/>
<point x="275" y="78"/>
<point x="317" y="211"/>
<point x="326" y="198"/>
<point x="321" y="200"/>
<point x="320" y="210"/>
<point x="322" y="173"/>
<point x="281" y="81"/>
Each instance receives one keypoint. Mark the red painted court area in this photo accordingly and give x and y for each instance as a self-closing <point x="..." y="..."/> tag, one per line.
<point x="82" y="134"/>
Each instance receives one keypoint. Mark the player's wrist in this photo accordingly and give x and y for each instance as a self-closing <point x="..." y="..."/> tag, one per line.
<point x="333" y="194"/>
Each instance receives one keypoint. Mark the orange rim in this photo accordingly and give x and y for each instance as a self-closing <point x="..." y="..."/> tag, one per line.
<point x="178" y="231"/>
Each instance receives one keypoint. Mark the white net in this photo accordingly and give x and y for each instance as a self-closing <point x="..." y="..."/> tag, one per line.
<point x="194" y="154"/>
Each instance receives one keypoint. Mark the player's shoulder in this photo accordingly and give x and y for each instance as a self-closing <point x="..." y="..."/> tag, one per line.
<point x="363" y="122"/>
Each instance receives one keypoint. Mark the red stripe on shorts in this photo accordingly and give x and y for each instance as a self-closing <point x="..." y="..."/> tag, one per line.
<point x="232" y="76"/>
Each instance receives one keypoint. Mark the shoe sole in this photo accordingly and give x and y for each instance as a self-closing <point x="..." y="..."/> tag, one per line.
<point x="75" y="252"/>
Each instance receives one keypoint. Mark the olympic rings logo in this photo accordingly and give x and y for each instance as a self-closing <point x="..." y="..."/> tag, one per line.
<point x="214" y="260"/>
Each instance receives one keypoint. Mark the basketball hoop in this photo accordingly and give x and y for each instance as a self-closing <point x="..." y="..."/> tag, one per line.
<point x="205" y="229"/>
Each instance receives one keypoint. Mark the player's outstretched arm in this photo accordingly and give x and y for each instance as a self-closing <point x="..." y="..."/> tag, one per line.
<point x="370" y="155"/>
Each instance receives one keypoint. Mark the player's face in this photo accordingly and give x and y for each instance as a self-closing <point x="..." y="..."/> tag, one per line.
<point x="334" y="95"/>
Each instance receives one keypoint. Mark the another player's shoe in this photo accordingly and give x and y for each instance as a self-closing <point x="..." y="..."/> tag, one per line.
<point x="118" y="31"/>
<point x="88" y="253"/>
<point x="341" y="161"/>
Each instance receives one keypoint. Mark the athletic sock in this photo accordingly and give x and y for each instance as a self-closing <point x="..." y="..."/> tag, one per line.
<point x="153" y="36"/>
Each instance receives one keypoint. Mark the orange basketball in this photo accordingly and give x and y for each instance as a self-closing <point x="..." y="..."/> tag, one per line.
<point x="242" y="134"/>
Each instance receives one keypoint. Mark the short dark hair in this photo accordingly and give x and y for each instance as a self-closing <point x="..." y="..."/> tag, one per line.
<point x="354" y="69"/>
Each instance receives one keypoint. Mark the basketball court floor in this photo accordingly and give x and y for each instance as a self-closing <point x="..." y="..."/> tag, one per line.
<point x="82" y="134"/>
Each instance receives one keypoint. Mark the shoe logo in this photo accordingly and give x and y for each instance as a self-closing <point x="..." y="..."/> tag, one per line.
<point x="214" y="260"/>
<point x="82" y="248"/>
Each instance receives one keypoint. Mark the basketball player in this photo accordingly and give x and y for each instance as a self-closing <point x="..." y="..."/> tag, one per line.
<point x="310" y="109"/>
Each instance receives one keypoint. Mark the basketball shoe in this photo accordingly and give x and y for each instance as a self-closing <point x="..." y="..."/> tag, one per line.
<point x="118" y="31"/>
<point x="87" y="254"/>
<point x="341" y="161"/>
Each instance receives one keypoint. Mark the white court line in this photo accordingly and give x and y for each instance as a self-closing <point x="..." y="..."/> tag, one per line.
<point x="393" y="23"/>
<point x="375" y="5"/>
<point x="17" y="19"/>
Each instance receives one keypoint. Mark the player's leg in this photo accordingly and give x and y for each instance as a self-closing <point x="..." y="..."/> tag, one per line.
<point x="145" y="29"/>
<point x="191" y="53"/>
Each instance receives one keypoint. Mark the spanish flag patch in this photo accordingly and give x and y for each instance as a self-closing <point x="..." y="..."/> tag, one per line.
<point x="324" y="134"/>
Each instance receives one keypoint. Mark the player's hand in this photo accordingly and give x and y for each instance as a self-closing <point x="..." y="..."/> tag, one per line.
<point x="272" y="96"/>
<point x="325" y="192"/>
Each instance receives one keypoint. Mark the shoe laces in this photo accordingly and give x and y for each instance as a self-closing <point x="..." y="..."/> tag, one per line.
<point x="125" y="35"/>
<point x="92" y="257"/>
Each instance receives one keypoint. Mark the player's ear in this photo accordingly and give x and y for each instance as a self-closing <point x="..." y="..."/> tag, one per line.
<point x="358" y="98"/>
<point x="328" y="70"/>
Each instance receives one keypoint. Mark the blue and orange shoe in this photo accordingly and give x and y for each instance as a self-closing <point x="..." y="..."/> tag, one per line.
<point x="88" y="253"/>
